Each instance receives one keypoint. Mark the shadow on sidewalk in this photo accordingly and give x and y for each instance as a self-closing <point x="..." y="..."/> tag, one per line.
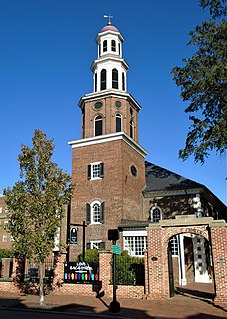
<point x="203" y="316"/>
<point x="22" y="303"/>
<point x="203" y="296"/>
<point x="195" y="293"/>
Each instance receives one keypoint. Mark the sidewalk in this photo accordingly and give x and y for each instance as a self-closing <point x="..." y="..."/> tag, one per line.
<point x="182" y="307"/>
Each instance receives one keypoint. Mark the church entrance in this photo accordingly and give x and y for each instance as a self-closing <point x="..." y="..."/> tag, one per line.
<point x="190" y="264"/>
<point x="186" y="255"/>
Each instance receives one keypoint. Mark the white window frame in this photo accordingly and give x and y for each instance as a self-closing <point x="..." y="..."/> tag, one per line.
<point x="132" y="129"/>
<point x="92" y="211"/>
<point x="174" y="246"/>
<point x="93" y="166"/>
<point x="4" y="238"/>
<point x="118" y="116"/>
<point x="135" y="237"/>
<point x="151" y="213"/>
<point x="93" y="243"/>
<point x="1" y="210"/>
<point x="98" y="118"/>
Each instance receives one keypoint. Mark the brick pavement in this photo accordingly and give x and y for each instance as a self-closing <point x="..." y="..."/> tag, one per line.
<point x="186" y="305"/>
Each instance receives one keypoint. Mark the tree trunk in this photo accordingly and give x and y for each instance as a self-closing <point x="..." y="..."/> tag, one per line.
<point x="41" y="290"/>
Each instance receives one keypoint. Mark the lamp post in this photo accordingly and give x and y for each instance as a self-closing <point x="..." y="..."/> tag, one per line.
<point x="113" y="234"/>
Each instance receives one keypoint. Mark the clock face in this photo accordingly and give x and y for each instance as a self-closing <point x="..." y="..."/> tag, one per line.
<point x="97" y="105"/>
<point x="118" y="104"/>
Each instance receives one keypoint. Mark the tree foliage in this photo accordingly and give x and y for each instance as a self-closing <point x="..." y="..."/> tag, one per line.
<point x="36" y="202"/>
<point x="202" y="80"/>
<point x="5" y="253"/>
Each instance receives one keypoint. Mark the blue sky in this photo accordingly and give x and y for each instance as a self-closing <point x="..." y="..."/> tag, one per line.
<point x="47" y="47"/>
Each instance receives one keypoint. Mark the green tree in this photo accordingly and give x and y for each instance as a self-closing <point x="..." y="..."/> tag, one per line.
<point x="202" y="80"/>
<point x="5" y="253"/>
<point x="36" y="202"/>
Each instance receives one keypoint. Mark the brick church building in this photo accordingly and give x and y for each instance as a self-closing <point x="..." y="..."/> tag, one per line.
<point x="114" y="186"/>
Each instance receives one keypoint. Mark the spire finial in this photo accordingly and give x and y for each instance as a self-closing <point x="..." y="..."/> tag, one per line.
<point x="108" y="17"/>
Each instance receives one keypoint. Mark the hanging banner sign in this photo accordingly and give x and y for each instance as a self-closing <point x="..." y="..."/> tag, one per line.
<point x="81" y="272"/>
<point x="73" y="235"/>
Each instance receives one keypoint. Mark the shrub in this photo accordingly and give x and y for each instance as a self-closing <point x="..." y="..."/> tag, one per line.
<point x="91" y="255"/>
<point x="129" y="270"/>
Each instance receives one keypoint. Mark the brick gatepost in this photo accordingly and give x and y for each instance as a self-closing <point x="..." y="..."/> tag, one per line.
<point x="59" y="270"/>
<point x="157" y="273"/>
<point x="5" y="268"/>
<point x="105" y="270"/>
<point x="218" y="229"/>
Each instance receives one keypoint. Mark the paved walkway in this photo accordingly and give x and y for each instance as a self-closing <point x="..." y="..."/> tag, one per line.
<point x="181" y="306"/>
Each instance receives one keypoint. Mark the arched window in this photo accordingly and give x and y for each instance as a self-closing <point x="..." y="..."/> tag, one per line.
<point x="104" y="45"/>
<point x="103" y="79"/>
<point x="98" y="125"/>
<point x="118" y="122"/>
<point x="114" y="79"/>
<point x="123" y="81"/>
<point x="155" y="214"/>
<point x="113" y="45"/>
<point x="95" y="213"/>
<point x="132" y="129"/>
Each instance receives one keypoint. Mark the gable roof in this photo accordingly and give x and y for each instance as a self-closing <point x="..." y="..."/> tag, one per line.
<point x="159" y="178"/>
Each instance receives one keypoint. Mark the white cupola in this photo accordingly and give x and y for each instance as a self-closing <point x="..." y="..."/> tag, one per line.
<point x="109" y="68"/>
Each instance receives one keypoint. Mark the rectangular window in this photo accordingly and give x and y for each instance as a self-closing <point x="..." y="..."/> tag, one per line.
<point x="97" y="244"/>
<point x="174" y="246"/>
<point x="135" y="245"/>
<point x="95" y="170"/>
<point x="0" y="210"/>
<point x="4" y="238"/>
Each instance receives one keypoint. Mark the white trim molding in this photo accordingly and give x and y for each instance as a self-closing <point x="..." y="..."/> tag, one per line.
<point x="109" y="138"/>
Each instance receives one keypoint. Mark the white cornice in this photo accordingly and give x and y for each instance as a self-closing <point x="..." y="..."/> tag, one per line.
<point x="114" y="33"/>
<point x="166" y="192"/>
<point x="109" y="138"/>
<point x="106" y="58"/>
<point x="108" y="93"/>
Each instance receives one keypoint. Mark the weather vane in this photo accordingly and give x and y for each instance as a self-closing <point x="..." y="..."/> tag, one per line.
<point x="108" y="17"/>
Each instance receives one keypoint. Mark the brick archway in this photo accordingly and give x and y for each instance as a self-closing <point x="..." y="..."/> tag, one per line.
<point x="158" y="236"/>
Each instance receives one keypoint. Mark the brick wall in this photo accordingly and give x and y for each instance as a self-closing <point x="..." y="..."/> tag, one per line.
<point x="156" y="265"/>
<point x="105" y="258"/>
<point x="219" y="250"/>
<point x="119" y="189"/>
<point x="61" y="288"/>
<point x="171" y="206"/>
<point x="109" y="111"/>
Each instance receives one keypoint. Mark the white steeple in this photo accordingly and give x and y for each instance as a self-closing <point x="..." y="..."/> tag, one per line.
<point x="109" y="68"/>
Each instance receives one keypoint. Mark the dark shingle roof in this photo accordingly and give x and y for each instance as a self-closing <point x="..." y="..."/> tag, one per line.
<point x="159" y="178"/>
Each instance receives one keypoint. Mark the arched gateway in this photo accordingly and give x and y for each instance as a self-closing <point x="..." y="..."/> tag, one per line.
<point x="200" y="230"/>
